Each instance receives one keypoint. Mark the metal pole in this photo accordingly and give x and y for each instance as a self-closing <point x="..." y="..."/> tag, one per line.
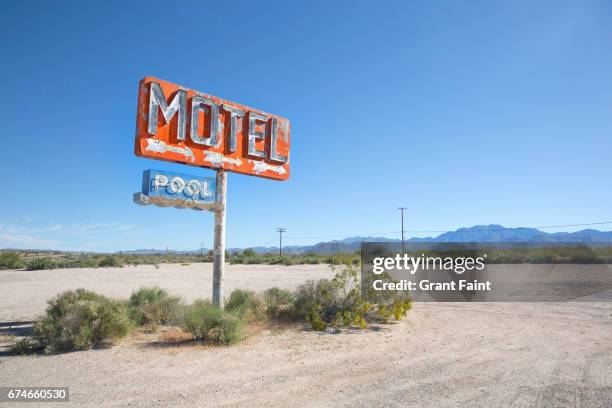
<point x="402" y="211"/>
<point x="219" y="251"/>
<point x="280" y="239"/>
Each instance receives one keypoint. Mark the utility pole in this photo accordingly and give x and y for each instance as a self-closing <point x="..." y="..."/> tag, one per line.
<point x="219" y="252"/>
<point x="402" y="209"/>
<point x="280" y="231"/>
<point x="201" y="250"/>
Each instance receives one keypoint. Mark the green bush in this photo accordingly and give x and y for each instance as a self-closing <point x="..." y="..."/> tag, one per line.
<point x="249" y="252"/>
<point x="38" y="264"/>
<point x="210" y="324"/>
<point x="153" y="306"/>
<point x="236" y="260"/>
<point x="111" y="261"/>
<point x="339" y="302"/>
<point x="279" y="303"/>
<point x="312" y="296"/>
<point x="23" y="347"/>
<point x="79" y="262"/>
<point x="80" y="320"/>
<point x="289" y="261"/>
<point x="246" y="305"/>
<point x="343" y="259"/>
<point x="10" y="260"/>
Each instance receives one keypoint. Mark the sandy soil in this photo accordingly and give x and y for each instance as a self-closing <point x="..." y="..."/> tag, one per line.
<point x="442" y="355"/>
<point x="23" y="294"/>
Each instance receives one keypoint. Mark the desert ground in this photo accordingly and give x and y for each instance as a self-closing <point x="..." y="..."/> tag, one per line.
<point x="441" y="355"/>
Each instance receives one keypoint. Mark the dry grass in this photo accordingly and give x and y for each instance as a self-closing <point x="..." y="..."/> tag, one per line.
<point x="174" y="335"/>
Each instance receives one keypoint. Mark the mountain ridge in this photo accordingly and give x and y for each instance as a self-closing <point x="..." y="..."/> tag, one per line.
<point x="476" y="233"/>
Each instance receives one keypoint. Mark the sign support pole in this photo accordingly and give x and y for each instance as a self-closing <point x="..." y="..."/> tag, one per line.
<point x="219" y="251"/>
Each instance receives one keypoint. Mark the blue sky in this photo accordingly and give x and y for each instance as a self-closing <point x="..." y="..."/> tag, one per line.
<point x="464" y="112"/>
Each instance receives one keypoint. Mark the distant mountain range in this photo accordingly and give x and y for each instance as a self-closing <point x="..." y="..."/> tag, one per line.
<point x="477" y="233"/>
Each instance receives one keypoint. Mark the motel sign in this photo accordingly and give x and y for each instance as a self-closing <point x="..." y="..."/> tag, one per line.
<point x="193" y="128"/>
<point x="189" y="127"/>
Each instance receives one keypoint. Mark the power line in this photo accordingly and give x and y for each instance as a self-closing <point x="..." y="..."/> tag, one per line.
<point x="339" y="235"/>
<point x="455" y="231"/>
<point x="503" y="228"/>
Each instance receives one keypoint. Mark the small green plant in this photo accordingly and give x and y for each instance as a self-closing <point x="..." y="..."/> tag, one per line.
<point x="24" y="347"/>
<point x="10" y="260"/>
<point x="246" y="305"/>
<point x="38" y="264"/>
<point x="111" y="261"/>
<point x="343" y="259"/>
<point x="153" y="306"/>
<point x="208" y="323"/>
<point x="289" y="261"/>
<point x="80" y="320"/>
<point x="279" y="303"/>
<point x="316" y="322"/>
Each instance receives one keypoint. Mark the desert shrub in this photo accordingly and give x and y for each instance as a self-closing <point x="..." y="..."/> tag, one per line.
<point x="343" y="259"/>
<point x="38" y="264"/>
<point x="289" y="261"/>
<point x="236" y="260"/>
<point x="111" y="261"/>
<point x="208" y="323"/>
<point x="275" y="260"/>
<point x="249" y="252"/>
<point x="339" y="302"/>
<point x="10" y="260"/>
<point x="312" y="296"/>
<point x="153" y="306"/>
<point x="82" y="261"/>
<point x="23" y="347"/>
<point x="279" y="303"/>
<point x="80" y="320"/>
<point x="246" y="305"/>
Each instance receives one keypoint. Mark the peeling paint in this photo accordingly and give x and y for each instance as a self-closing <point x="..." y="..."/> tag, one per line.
<point x="157" y="146"/>
<point x="217" y="159"/>
<point x="260" y="167"/>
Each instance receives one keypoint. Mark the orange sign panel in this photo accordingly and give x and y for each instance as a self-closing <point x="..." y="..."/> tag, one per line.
<point x="189" y="127"/>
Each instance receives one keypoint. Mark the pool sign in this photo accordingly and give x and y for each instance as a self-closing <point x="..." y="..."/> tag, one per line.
<point x="166" y="189"/>
<point x="189" y="127"/>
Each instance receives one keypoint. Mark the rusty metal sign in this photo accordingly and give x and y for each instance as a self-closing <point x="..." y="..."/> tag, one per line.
<point x="185" y="126"/>
<point x="169" y="189"/>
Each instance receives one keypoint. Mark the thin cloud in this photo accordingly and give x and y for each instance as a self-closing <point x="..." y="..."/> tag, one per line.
<point x="25" y="241"/>
<point x="80" y="227"/>
<point x="57" y="236"/>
